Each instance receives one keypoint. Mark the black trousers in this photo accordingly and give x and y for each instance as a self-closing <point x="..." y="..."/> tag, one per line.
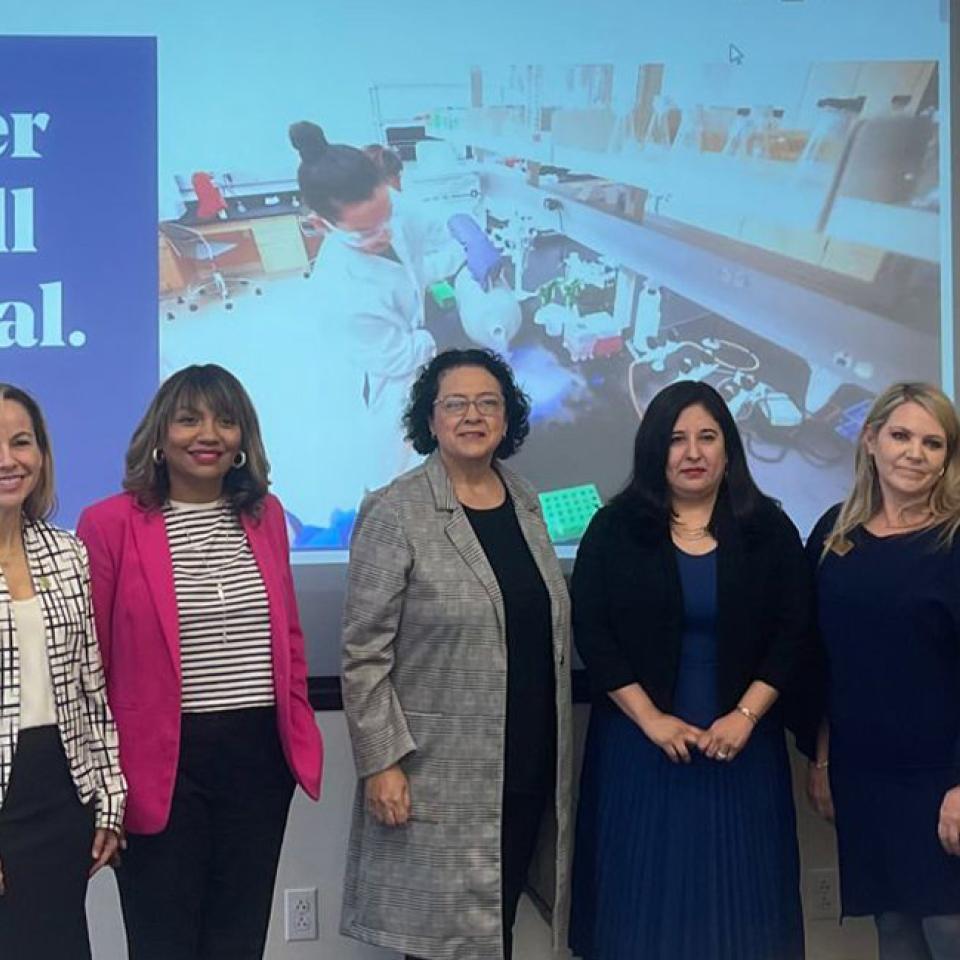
<point x="46" y="835"/>
<point x="202" y="888"/>
<point x="522" y="813"/>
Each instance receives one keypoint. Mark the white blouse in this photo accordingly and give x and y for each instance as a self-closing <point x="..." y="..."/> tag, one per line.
<point x="37" y="706"/>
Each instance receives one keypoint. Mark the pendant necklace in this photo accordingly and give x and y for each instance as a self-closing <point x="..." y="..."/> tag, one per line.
<point x="214" y="573"/>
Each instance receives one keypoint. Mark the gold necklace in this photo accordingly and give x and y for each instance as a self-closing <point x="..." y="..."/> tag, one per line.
<point x="693" y="533"/>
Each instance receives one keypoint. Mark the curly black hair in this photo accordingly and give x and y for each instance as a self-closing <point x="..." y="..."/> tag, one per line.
<point x="416" y="418"/>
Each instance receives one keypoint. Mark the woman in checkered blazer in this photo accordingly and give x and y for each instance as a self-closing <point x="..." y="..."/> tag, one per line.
<point x="61" y="790"/>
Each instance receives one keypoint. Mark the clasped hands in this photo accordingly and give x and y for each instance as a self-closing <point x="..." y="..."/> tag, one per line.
<point x="387" y="793"/>
<point x="722" y="741"/>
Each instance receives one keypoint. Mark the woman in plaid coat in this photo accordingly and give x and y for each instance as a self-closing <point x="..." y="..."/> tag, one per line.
<point x="456" y="682"/>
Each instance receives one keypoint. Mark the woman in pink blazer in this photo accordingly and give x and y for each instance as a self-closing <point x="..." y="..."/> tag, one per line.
<point x="206" y="676"/>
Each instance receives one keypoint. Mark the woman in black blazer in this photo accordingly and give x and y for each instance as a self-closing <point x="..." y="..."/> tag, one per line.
<point x="691" y="611"/>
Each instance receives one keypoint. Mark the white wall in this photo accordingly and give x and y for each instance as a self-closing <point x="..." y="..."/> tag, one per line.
<point x="826" y="939"/>
<point x="314" y="854"/>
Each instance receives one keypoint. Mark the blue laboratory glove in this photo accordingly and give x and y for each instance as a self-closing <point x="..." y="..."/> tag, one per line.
<point x="483" y="258"/>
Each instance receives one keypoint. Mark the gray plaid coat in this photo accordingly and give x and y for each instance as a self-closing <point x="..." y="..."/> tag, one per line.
<point x="424" y="684"/>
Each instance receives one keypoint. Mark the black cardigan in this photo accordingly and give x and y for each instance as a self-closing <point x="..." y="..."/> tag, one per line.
<point x="628" y="603"/>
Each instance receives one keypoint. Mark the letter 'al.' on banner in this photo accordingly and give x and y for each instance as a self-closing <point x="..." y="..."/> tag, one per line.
<point x="78" y="245"/>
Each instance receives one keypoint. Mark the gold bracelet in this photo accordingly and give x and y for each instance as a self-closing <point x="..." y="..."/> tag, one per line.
<point x="821" y="764"/>
<point x="748" y="713"/>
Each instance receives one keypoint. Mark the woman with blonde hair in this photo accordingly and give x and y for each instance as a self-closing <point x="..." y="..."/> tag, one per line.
<point x="887" y="762"/>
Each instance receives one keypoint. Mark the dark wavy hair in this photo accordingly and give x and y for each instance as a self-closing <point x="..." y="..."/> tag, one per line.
<point x="417" y="416"/>
<point x="223" y="394"/>
<point x="647" y="492"/>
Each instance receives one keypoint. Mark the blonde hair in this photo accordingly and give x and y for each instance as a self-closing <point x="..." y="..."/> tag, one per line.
<point x="42" y="501"/>
<point x="866" y="498"/>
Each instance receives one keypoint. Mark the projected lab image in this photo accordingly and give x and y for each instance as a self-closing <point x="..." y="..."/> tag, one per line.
<point x="610" y="228"/>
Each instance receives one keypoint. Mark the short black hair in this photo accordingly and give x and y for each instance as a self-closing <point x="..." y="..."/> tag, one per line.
<point x="647" y="491"/>
<point x="416" y="418"/>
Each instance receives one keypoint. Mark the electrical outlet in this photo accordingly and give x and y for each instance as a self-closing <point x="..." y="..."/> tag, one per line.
<point x="300" y="913"/>
<point x="823" y="902"/>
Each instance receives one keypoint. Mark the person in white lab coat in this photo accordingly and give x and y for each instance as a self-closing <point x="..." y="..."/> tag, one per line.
<point x="441" y="255"/>
<point x="368" y="283"/>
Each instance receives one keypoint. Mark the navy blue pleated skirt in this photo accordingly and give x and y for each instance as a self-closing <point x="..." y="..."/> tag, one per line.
<point x="684" y="862"/>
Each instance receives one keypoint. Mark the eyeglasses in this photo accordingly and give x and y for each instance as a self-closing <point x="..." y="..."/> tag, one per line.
<point x="457" y="406"/>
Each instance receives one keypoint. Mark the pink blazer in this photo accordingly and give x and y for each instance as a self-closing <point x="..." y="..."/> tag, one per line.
<point x="135" y="607"/>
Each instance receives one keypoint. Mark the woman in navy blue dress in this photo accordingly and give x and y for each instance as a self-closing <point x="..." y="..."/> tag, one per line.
<point x="887" y="565"/>
<point x="692" y="609"/>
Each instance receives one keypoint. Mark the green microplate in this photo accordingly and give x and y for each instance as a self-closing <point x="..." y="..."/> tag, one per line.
<point x="443" y="293"/>
<point x="569" y="510"/>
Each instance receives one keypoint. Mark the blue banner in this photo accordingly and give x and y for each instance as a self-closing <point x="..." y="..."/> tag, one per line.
<point x="78" y="245"/>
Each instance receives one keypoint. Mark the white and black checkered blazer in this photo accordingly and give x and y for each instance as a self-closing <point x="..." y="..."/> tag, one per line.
<point x="61" y="576"/>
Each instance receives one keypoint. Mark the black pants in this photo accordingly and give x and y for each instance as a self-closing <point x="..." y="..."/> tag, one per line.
<point x="522" y="813"/>
<point x="202" y="888"/>
<point x="46" y="836"/>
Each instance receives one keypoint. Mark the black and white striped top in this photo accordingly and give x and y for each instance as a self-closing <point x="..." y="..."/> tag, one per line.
<point x="225" y="654"/>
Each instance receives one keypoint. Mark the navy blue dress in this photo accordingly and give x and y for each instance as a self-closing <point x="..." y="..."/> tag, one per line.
<point x="678" y="861"/>
<point x="889" y="613"/>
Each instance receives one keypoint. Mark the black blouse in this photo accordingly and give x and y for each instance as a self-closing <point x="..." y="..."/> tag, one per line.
<point x="889" y="617"/>
<point x="628" y="603"/>
<point x="531" y="711"/>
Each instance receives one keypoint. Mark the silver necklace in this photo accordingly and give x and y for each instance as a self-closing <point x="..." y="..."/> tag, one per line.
<point x="212" y="572"/>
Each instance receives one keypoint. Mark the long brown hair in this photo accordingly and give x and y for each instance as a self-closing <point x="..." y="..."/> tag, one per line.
<point x="223" y="394"/>
<point x="42" y="501"/>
